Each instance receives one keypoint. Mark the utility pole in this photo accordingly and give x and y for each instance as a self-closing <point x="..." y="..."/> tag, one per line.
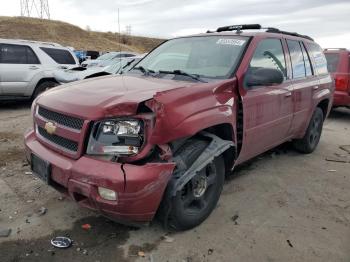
<point x="35" y="8"/>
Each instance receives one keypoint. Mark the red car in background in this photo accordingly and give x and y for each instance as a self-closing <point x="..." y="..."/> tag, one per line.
<point x="338" y="62"/>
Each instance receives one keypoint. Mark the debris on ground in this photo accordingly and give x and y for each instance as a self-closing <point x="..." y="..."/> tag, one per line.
<point x="289" y="243"/>
<point x="30" y="201"/>
<point x="42" y="211"/>
<point x="210" y="251"/>
<point x="337" y="159"/>
<point x="332" y="170"/>
<point x="234" y="218"/>
<point x="346" y="148"/>
<point x="60" y="198"/>
<point x="85" y="252"/>
<point x="167" y="239"/>
<point x="5" y="232"/>
<point x="61" y="242"/>
<point x="141" y="254"/>
<point x="86" y="226"/>
<point x="28" y="173"/>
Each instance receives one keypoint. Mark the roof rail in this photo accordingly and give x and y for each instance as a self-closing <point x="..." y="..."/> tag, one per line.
<point x="32" y="41"/>
<point x="335" y="48"/>
<point x="276" y="30"/>
<point x="239" y="28"/>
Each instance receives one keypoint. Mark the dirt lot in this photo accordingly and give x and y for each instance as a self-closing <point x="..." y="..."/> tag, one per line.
<point x="282" y="206"/>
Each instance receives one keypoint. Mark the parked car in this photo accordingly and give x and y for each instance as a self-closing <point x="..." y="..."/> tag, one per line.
<point x="79" y="73"/>
<point x="161" y="138"/>
<point x="338" y="62"/>
<point x="26" y="67"/>
<point x="106" y="59"/>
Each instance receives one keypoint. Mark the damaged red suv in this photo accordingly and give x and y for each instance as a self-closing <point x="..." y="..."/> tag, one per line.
<point x="160" y="138"/>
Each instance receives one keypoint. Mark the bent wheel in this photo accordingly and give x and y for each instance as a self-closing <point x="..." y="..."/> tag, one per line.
<point x="197" y="199"/>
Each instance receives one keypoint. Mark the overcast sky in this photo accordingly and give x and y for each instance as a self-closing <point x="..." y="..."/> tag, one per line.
<point x="328" y="21"/>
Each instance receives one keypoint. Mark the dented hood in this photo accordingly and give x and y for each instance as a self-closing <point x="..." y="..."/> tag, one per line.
<point x="106" y="96"/>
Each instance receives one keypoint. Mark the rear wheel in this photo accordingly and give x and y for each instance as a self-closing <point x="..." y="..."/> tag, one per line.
<point x="42" y="87"/>
<point x="313" y="133"/>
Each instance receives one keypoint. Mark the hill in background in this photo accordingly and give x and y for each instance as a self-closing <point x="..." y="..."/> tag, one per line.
<point x="70" y="35"/>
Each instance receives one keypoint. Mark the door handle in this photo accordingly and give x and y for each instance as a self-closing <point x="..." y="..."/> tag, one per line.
<point x="288" y="94"/>
<point x="33" y="67"/>
<point x="315" y="87"/>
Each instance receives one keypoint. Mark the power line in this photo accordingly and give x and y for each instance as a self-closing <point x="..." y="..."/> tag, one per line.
<point x="35" y="8"/>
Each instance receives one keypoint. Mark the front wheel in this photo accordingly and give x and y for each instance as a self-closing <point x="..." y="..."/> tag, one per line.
<point x="42" y="87"/>
<point x="313" y="133"/>
<point x="197" y="199"/>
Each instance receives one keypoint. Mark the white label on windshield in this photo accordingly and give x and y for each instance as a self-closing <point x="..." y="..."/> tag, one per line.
<point x="227" y="41"/>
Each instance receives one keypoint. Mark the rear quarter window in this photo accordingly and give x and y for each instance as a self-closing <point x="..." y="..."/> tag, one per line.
<point x="318" y="57"/>
<point x="332" y="61"/>
<point x="60" y="56"/>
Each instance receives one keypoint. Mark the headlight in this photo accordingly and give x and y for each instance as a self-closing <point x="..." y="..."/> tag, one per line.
<point x="116" y="137"/>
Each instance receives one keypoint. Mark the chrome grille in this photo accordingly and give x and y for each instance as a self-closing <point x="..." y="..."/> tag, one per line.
<point x="58" y="140"/>
<point x="68" y="121"/>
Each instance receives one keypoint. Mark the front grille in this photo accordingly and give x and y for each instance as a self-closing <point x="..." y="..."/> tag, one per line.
<point x="69" y="121"/>
<point x="58" y="140"/>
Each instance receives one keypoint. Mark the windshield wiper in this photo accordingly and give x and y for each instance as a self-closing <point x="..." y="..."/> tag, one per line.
<point x="143" y="70"/>
<point x="183" y="73"/>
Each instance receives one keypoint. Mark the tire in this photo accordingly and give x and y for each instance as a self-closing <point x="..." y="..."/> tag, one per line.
<point x="195" y="202"/>
<point x="313" y="133"/>
<point x="42" y="87"/>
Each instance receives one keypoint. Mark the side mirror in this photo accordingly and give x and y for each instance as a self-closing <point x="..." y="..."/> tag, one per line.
<point x="264" y="77"/>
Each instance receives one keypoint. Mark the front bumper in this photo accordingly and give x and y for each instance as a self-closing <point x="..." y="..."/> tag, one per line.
<point x="140" y="188"/>
<point x="341" y="98"/>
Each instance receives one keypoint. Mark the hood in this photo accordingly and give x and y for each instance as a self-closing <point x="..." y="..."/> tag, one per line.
<point x="108" y="96"/>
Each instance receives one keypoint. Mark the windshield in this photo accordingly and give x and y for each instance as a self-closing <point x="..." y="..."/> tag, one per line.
<point x="107" y="56"/>
<point x="115" y="67"/>
<point x="208" y="56"/>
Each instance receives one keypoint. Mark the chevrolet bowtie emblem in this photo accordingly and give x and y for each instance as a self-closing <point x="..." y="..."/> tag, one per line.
<point x="50" y="128"/>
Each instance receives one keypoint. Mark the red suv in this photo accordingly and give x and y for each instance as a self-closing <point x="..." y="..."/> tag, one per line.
<point x="160" y="138"/>
<point x="338" y="62"/>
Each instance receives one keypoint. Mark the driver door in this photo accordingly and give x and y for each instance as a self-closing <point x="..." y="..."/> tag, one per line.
<point x="267" y="110"/>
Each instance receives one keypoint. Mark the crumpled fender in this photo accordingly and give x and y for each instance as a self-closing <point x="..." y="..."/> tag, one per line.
<point x="187" y="111"/>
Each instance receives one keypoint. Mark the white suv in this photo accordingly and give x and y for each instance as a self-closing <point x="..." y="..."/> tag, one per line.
<point x="26" y="67"/>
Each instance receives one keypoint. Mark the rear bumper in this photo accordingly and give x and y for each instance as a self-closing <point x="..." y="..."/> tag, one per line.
<point x="140" y="188"/>
<point x="341" y="98"/>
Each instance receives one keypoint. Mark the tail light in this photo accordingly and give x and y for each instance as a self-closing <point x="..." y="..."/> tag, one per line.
<point x="341" y="82"/>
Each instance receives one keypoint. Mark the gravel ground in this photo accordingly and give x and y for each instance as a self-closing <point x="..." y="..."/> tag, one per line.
<point x="281" y="206"/>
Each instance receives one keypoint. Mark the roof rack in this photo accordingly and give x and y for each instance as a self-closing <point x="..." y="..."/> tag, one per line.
<point x="239" y="28"/>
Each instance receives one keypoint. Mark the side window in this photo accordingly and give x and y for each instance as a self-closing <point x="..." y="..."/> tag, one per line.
<point x="31" y="56"/>
<point x="17" y="54"/>
<point x="60" y="56"/>
<point x="308" y="69"/>
<point x="268" y="54"/>
<point x="318" y="57"/>
<point x="296" y="55"/>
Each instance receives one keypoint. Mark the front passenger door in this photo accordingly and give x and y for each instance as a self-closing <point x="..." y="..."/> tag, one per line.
<point x="267" y="110"/>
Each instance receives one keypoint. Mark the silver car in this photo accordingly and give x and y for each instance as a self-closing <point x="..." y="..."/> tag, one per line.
<point x="107" y="58"/>
<point x="26" y="67"/>
<point x="79" y="73"/>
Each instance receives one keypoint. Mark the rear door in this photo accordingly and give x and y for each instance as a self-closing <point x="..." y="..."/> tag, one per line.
<point x="267" y="110"/>
<point x="18" y="65"/>
<point x="304" y="84"/>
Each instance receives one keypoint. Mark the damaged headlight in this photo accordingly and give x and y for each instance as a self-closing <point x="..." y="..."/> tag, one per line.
<point x="116" y="137"/>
